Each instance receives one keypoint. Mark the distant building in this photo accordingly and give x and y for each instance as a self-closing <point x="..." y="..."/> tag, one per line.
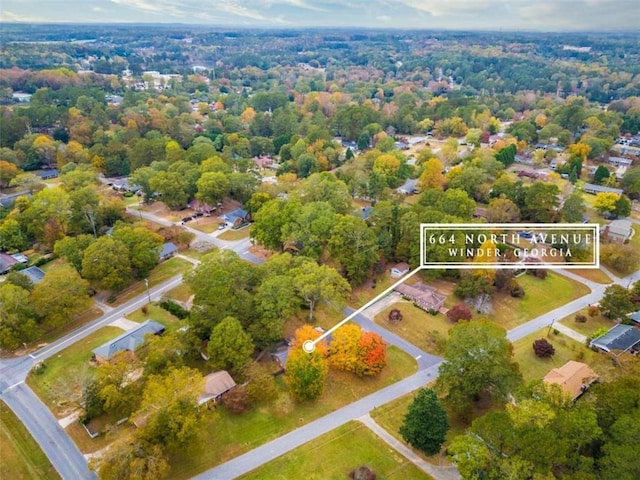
<point x="595" y="189"/>
<point x="35" y="274"/>
<point x="236" y="218"/>
<point x="619" y="161"/>
<point x="618" y="231"/>
<point x="400" y="270"/>
<point x="48" y="174"/>
<point x="409" y="187"/>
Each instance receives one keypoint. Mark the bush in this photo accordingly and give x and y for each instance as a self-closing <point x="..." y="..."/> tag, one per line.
<point x="515" y="289"/>
<point x="543" y="348"/>
<point x="236" y="400"/>
<point x="362" y="473"/>
<point x="459" y="312"/>
<point x="580" y="318"/>
<point x="174" y="309"/>
<point x="395" y="316"/>
<point x="593" y="311"/>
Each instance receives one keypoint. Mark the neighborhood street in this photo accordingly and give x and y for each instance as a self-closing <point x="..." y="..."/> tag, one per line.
<point x="71" y="464"/>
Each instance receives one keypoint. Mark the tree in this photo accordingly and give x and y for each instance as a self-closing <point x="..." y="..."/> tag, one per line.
<point x="507" y="155"/>
<point x="622" y="258"/>
<point x="130" y="458"/>
<point x="478" y="360"/>
<point x="106" y="263"/>
<point x="172" y="186"/>
<point x="60" y="295"/>
<point x="372" y="354"/>
<point x="543" y="348"/>
<point x="355" y="246"/>
<point x="261" y="387"/>
<point x="170" y="406"/>
<point x="425" y="423"/>
<point x="600" y="174"/>
<point x="459" y="312"/>
<point x="622" y="207"/>
<point x="17" y="317"/>
<point x="502" y="210"/>
<point x="362" y="473"/>
<point x="72" y="249"/>
<point x="212" y="187"/>
<point x="343" y="351"/>
<point x="8" y="171"/>
<point x="573" y="208"/>
<point x="306" y="374"/>
<point x="12" y="238"/>
<point x="230" y="347"/>
<point x="432" y="176"/>
<point x="540" y="202"/>
<point x="605" y="202"/>
<point x="316" y="283"/>
<point x="395" y="315"/>
<point x="143" y="245"/>
<point x="616" y="302"/>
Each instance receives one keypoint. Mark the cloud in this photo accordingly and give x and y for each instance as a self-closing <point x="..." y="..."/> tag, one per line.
<point x="6" y="16"/>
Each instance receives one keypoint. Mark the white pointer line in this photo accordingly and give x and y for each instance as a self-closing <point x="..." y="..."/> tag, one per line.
<point x="364" y="307"/>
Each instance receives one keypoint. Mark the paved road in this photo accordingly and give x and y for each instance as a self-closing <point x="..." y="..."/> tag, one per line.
<point x="38" y="419"/>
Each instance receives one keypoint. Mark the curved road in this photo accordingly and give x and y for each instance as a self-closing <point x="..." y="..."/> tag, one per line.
<point x="71" y="464"/>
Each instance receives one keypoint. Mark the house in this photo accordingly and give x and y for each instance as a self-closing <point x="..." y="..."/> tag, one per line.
<point x="20" y="257"/>
<point x="595" y="189"/>
<point x="48" y="174"/>
<point x="127" y="341"/>
<point x="203" y="207"/>
<point x="619" y="161"/>
<point x="635" y="316"/>
<point x="169" y="249"/>
<point x="480" y="212"/>
<point x="280" y="356"/>
<point x="216" y="384"/>
<point x="34" y="274"/>
<point x="618" y="230"/>
<point x="423" y="296"/>
<point x="366" y="212"/>
<point x="409" y="187"/>
<point x="7" y="199"/>
<point x="6" y="262"/>
<point x="623" y="338"/>
<point x="573" y="377"/>
<point x="236" y="218"/>
<point x="400" y="270"/>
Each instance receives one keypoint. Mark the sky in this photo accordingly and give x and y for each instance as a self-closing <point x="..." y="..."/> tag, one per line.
<point x="541" y="15"/>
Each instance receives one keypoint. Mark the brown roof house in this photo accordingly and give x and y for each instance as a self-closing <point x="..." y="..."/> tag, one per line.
<point x="573" y="377"/>
<point x="423" y="296"/>
<point x="216" y="384"/>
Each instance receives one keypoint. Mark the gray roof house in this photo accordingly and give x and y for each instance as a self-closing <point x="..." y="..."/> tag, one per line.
<point x="635" y="316"/>
<point x="35" y="274"/>
<point x="127" y="341"/>
<point x="595" y="189"/>
<point x="618" y="230"/>
<point x="169" y="249"/>
<point x="236" y="218"/>
<point x="408" y="187"/>
<point x="620" y="337"/>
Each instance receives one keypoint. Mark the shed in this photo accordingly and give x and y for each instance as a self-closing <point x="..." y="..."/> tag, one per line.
<point x="573" y="377"/>
<point x="595" y="189"/>
<point x="216" y="384"/>
<point x="620" y="337"/>
<point x="127" y="341"/>
<point x="400" y="270"/>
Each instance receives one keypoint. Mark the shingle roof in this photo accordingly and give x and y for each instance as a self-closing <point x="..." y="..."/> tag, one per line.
<point x="620" y="337"/>
<point x="215" y="384"/>
<point x="129" y="340"/>
<point x="34" y="274"/>
<point x="168" y="249"/>
<point x="573" y="377"/>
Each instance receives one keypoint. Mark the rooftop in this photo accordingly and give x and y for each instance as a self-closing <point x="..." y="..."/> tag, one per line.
<point x="620" y="337"/>
<point x="128" y="340"/>
<point x="573" y="377"/>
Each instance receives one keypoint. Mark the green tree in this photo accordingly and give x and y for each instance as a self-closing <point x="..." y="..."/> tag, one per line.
<point x="573" y="208"/>
<point x="621" y="258"/>
<point x="502" y="210"/>
<point x="170" y="406"/>
<point x="600" y="174"/>
<point x="72" y="249"/>
<point x="17" y="317"/>
<point x="541" y="202"/>
<point x="616" y="302"/>
<point x="354" y="245"/>
<point x="60" y="295"/>
<point x="212" y="187"/>
<point x="131" y="458"/>
<point x="630" y="182"/>
<point x="306" y="374"/>
<point x="172" y="187"/>
<point x="106" y="263"/>
<point x="425" y="423"/>
<point x="12" y="238"/>
<point x="622" y="207"/>
<point x="230" y="347"/>
<point x="314" y="283"/>
<point x="478" y="360"/>
<point x="143" y="245"/>
<point x="605" y="202"/>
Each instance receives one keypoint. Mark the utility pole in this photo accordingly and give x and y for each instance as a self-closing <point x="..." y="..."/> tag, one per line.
<point x="146" y="282"/>
<point x="550" y="325"/>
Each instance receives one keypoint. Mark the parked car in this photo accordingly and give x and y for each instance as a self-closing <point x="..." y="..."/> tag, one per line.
<point x="186" y="219"/>
<point x="222" y="226"/>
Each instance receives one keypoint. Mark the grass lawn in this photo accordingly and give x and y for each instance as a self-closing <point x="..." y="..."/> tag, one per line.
<point x="235" y="235"/>
<point x="417" y="326"/>
<point x="20" y="455"/>
<point x="594" y="274"/>
<point x="181" y="293"/>
<point x="362" y="294"/>
<point x="208" y="227"/>
<point x="590" y="326"/>
<point x="197" y="255"/>
<point x="229" y="435"/>
<point x="160" y="315"/>
<point x="347" y="447"/>
<point x="635" y="239"/>
<point x="534" y="368"/>
<point x="67" y="362"/>
<point x="540" y="296"/>
<point x="172" y="267"/>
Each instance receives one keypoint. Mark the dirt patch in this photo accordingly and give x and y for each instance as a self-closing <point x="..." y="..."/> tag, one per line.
<point x="260" y="252"/>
